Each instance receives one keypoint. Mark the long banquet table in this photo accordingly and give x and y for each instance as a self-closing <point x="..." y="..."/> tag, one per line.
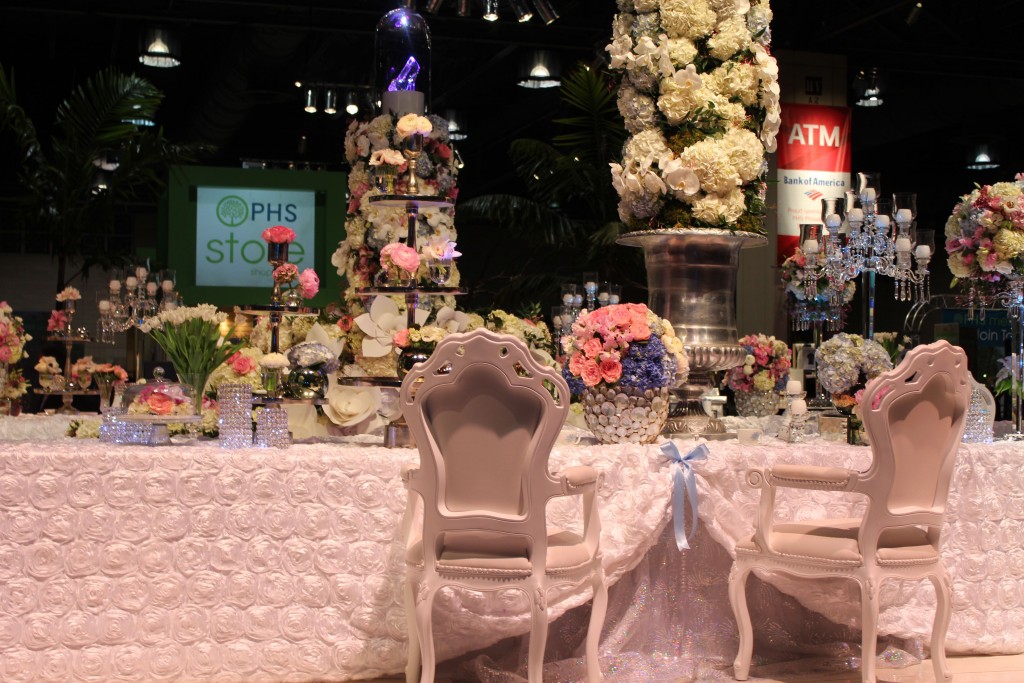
<point x="192" y="562"/>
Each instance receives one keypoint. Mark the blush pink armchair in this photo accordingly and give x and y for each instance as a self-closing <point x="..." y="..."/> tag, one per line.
<point x="915" y="416"/>
<point x="484" y="421"/>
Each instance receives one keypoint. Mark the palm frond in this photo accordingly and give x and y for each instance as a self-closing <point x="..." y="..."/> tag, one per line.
<point x="100" y="112"/>
<point x="526" y="217"/>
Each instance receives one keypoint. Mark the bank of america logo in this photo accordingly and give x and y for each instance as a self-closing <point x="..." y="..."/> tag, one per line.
<point x="814" y="195"/>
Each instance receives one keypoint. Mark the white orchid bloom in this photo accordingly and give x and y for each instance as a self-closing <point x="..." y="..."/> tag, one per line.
<point x="380" y="324"/>
<point x="451" y="320"/>
<point x="688" y="77"/>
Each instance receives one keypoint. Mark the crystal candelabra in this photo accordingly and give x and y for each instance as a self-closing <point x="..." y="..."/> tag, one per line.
<point x="598" y="294"/>
<point x="872" y="241"/>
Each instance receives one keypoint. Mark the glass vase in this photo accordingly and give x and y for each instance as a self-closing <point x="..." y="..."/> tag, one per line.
<point x="196" y="383"/>
<point x="274" y="381"/>
<point x="621" y="414"/>
<point x="106" y="389"/>
<point x="756" y="403"/>
<point x="410" y="357"/>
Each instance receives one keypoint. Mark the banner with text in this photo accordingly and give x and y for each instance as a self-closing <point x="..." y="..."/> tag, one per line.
<point x="230" y="251"/>
<point x="813" y="164"/>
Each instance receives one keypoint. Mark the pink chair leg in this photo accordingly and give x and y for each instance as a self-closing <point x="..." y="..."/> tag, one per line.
<point x="412" y="666"/>
<point x="597" y="614"/>
<point x="738" y="600"/>
<point x="943" y="614"/>
<point x="869" y="629"/>
<point x="424" y="623"/>
<point x="539" y="632"/>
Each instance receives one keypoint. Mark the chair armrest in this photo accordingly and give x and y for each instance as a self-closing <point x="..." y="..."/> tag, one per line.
<point x="811" y="477"/>
<point x="577" y="478"/>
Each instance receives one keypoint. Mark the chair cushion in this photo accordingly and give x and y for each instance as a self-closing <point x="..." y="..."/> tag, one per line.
<point x="835" y="540"/>
<point x="472" y="552"/>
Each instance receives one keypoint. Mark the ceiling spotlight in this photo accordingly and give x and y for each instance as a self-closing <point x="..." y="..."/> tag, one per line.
<point x="914" y="14"/>
<point x="160" y="49"/>
<point x="331" y="101"/>
<point x="456" y="125"/>
<point x="545" y="10"/>
<point x="310" y="100"/>
<point x="982" y="157"/>
<point x="491" y="10"/>
<point x="541" y="71"/>
<point x="522" y="10"/>
<point x="351" y="104"/>
<point x="298" y="84"/>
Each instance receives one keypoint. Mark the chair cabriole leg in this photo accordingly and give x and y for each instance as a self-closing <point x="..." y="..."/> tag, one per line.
<point x="738" y="600"/>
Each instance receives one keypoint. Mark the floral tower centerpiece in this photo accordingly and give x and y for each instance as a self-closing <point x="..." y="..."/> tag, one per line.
<point x="700" y="97"/>
<point x="759" y="381"/>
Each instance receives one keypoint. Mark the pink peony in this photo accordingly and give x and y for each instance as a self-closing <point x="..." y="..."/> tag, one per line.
<point x="611" y="370"/>
<point x="278" y="234"/>
<point x="398" y="254"/>
<point x="401" y="338"/>
<point x="309" y="283"/>
<point x="591" y="373"/>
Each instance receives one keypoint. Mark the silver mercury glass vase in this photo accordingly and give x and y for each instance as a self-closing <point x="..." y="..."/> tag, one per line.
<point x="691" y="282"/>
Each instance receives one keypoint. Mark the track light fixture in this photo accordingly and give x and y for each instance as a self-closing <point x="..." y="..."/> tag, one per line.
<point x="521" y="8"/>
<point x="310" y="107"/>
<point x="331" y="101"/>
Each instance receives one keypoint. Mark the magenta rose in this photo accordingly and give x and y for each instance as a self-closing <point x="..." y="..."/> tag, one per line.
<point x="279" y="234"/>
<point x="309" y="283"/>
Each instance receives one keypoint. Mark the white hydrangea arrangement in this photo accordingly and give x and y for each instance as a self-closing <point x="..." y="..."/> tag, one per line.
<point x="845" y="364"/>
<point x="700" y="97"/>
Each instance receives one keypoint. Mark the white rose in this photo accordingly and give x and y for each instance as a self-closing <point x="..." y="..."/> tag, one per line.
<point x="391" y="157"/>
<point x="349" y="406"/>
<point x="411" y="124"/>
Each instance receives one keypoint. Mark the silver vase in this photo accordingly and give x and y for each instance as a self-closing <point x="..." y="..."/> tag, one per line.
<point x="691" y="282"/>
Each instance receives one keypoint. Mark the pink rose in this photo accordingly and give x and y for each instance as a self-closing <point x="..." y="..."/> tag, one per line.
<point x="5" y="353"/>
<point x="278" y="234"/>
<point x="611" y="370"/>
<point x="345" y="323"/>
<point x="593" y="347"/>
<point x="879" y="395"/>
<point x="160" y="404"/>
<point x="444" y="151"/>
<point x="591" y="373"/>
<point x="243" y="365"/>
<point x="640" y="331"/>
<point x="401" y="338"/>
<point x="576" y="362"/>
<point x="618" y="316"/>
<point x="309" y="283"/>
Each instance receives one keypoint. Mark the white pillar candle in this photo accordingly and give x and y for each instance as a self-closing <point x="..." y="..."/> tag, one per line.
<point x="794" y="386"/>
<point x="855" y="215"/>
<point x="167" y="285"/>
<point x="141" y="272"/>
<point x="903" y="245"/>
<point x="811" y="246"/>
<point x="104" y="306"/>
<point x="567" y="299"/>
<point x="131" y="282"/>
<point x="904" y="216"/>
<point x="151" y="288"/>
<point x="868" y="195"/>
<point x="882" y="222"/>
<point x="799" y="406"/>
<point x="833" y="220"/>
<point x="613" y="299"/>
<point x="603" y="297"/>
<point x="923" y="251"/>
<point x="115" y="285"/>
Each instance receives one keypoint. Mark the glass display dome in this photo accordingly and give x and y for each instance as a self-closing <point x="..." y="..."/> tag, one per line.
<point x="402" y="62"/>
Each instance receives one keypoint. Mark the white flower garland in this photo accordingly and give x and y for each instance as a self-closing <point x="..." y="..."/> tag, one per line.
<point x="700" y="97"/>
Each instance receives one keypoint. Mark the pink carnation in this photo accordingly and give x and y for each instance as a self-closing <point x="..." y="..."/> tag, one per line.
<point x="309" y="283"/>
<point x="285" y="273"/>
<point x="279" y="234"/>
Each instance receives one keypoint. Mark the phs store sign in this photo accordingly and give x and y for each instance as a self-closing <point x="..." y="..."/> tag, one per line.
<point x="230" y="251"/>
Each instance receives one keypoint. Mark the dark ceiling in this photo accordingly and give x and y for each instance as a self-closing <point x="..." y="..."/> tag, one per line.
<point x="950" y="73"/>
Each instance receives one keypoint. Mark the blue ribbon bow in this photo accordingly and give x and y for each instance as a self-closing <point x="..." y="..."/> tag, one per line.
<point x="684" y="486"/>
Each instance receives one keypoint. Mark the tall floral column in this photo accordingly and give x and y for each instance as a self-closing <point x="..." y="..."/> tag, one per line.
<point x="700" y="97"/>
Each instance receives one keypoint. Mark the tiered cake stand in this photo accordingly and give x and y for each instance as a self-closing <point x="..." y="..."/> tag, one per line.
<point x="69" y="390"/>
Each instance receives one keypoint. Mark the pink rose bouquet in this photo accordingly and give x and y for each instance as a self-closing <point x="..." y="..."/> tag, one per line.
<point x="110" y="372"/>
<point x="623" y="344"/>
<point x="279" y="234"/>
<point x="401" y="256"/>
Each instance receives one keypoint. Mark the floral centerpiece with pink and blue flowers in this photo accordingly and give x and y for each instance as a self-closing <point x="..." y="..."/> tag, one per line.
<point x="762" y="377"/>
<point x="623" y="359"/>
<point x="985" y="234"/>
